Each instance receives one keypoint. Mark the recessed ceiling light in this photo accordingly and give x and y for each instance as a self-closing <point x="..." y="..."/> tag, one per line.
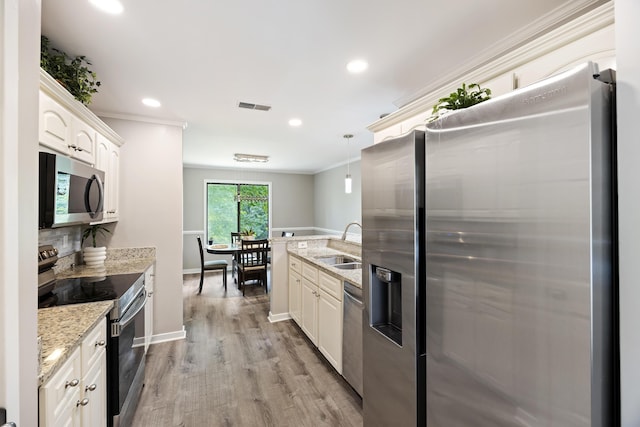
<point x="150" y="102"/>
<point x="110" y="6"/>
<point x="295" y="122"/>
<point x="357" y="66"/>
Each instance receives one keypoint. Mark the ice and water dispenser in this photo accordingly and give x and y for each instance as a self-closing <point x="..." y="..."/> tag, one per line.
<point x="386" y="303"/>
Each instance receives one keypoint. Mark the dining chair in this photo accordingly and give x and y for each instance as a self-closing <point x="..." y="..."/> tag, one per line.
<point x="217" y="264"/>
<point x="236" y="238"/>
<point x="252" y="263"/>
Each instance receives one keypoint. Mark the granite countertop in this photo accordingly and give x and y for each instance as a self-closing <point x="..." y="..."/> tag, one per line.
<point x="62" y="329"/>
<point x="123" y="266"/>
<point x="311" y="254"/>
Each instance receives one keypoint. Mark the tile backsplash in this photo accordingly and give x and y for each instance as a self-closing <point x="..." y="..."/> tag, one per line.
<point x="66" y="239"/>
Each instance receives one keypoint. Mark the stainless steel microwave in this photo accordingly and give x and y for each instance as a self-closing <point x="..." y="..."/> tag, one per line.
<point x="71" y="192"/>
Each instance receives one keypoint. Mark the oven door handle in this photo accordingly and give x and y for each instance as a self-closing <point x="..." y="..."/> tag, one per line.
<point x="117" y="327"/>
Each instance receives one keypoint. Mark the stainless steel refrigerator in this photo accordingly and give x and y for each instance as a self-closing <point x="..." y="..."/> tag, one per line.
<point x="489" y="268"/>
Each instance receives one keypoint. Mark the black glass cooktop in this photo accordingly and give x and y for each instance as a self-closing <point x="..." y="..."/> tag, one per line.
<point x="88" y="289"/>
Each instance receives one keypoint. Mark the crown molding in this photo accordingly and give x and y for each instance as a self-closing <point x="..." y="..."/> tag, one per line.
<point x="143" y="119"/>
<point x="564" y="25"/>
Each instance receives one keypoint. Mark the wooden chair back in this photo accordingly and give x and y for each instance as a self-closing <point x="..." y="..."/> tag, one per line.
<point x="254" y="253"/>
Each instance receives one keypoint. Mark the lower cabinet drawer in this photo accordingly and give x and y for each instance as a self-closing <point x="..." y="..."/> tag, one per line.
<point x="331" y="285"/>
<point x="94" y="345"/>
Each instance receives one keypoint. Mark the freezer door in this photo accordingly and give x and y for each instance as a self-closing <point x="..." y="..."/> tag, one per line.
<point x="393" y="276"/>
<point x="519" y="258"/>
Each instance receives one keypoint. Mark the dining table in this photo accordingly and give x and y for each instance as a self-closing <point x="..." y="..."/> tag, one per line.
<point x="226" y="249"/>
<point x="223" y="249"/>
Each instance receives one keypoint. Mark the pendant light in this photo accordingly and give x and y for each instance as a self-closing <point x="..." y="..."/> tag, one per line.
<point x="347" y="179"/>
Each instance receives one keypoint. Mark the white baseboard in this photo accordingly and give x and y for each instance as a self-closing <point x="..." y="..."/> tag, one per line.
<point x="166" y="337"/>
<point x="190" y="271"/>
<point x="273" y="318"/>
<point x="169" y="336"/>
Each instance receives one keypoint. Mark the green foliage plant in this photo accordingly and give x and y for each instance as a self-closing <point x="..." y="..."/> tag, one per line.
<point x="465" y="96"/>
<point x="248" y="232"/>
<point x="70" y="72"/>
<point x="93" y="231"/>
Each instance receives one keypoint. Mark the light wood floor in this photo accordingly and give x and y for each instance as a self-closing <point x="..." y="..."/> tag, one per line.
<point x="235" y="368"/>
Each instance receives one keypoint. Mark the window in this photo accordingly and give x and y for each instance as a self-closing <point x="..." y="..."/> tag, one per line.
<point x="235" y="207"/>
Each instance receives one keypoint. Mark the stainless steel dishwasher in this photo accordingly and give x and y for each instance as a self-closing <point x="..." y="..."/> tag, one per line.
<point x="352" y="336"/>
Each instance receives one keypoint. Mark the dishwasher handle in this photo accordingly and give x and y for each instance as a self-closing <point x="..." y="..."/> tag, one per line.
<point x="353" y="293"/>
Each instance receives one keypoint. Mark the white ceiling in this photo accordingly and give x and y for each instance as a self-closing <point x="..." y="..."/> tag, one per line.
<point x="201" y="57"/>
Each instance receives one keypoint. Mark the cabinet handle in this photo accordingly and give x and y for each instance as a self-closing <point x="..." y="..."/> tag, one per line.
<point x="100" y="343"/>
<point x="72" y="383"/>
<point x="83" y="402"/>
<point x="91" y="387"/>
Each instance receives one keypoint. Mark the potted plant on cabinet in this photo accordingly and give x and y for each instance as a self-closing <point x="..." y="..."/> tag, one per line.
<point x="94" y="255"/>
<point x="465" y="96"/>
<point x="70" y="71"/>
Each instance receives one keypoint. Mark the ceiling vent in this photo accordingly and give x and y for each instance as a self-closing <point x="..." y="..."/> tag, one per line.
<point x="250" y="106"/>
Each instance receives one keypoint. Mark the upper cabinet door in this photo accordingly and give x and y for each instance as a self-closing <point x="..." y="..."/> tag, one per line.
<point x="114" y="191"/>
<point x="83" y="142"/>
<point x="54" y="125"/>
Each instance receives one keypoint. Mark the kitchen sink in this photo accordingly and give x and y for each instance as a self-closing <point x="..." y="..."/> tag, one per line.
<point x="349" y="266"/>
<point x="336" y="260"/>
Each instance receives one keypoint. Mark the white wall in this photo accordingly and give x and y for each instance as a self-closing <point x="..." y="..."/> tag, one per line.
<point x="19" y="72"/>
<point x="628" y="93"/>
<point x="151" y="209"/>
<point x="333" y="208"/>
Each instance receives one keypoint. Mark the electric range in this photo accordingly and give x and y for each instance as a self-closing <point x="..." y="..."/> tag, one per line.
<point x="125" y="357"/>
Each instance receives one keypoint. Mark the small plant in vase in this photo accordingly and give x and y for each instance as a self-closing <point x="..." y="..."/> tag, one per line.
<point x="248" y="234"/>
<point x="94" y="255"/>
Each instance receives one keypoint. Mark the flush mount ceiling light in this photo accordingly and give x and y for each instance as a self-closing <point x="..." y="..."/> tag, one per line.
<point x="110" y="6"/>
<point x="251" y="158"/>
<point x="150" y="102"/>
<point x="347" y="179"/>
<point x="295" y="122"/>
<point x="357" y="66"/>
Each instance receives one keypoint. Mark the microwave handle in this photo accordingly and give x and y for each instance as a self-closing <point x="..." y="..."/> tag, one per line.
<point x="87" y="190"/>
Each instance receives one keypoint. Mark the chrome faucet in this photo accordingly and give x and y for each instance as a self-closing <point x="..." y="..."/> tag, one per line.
<point x="344" y="235"/>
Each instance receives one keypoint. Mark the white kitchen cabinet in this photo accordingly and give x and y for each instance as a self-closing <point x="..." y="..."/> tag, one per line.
<point x="94" y="389"/>
<point x="82" y="145"/>
<point x="77" y="394"/>
<point x="61" y="131"/>
<point x="330" y="328"/>
<point x="295" y="289"/>
<point x="149" y="284"/>
<point x="54" y="125"/>
<point x="108" y="160"/>
<point x="70" y="128"/>
<point x="59" y="396"/>
<point x="589" y="38"/>
<point x="309" y="315"/>
<point x="315" y="303"/>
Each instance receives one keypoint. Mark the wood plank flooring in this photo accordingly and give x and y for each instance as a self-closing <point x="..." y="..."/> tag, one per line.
<point x="235" y="368"/>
